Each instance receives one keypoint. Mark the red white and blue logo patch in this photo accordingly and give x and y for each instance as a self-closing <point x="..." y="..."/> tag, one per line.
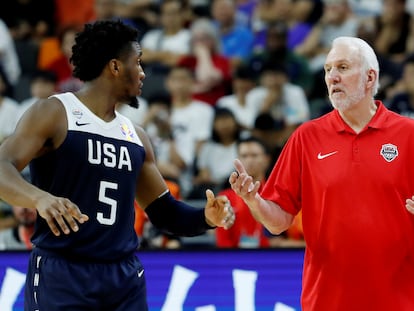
<point x="389" y="152"/>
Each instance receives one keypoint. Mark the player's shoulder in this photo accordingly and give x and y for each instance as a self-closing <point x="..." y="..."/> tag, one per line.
<point x="44" y="108"/>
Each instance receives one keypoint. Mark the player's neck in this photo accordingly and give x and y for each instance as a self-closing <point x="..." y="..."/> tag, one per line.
<point x="99" y="103"/>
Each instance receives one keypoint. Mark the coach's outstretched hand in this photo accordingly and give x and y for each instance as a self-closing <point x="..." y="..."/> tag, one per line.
<point x="409" y="204"/>
<point x="243" y="184"/>
<point x="218" y="211"/>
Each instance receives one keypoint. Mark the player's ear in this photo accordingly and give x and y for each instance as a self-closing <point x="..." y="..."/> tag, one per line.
<point x="114" y="66"/>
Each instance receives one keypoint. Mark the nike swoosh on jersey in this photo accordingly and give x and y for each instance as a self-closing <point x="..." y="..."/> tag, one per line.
<point x="140" y="273"/>
<point x="81" y="124"/>
<point x="323" y="156"/>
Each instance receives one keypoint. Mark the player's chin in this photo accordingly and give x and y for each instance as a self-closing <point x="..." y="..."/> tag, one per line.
<point x="133" y="102"/>
<point x="139" y="88"/>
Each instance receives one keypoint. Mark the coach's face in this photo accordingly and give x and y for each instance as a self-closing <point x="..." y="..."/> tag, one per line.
<point x="346" y="82"/>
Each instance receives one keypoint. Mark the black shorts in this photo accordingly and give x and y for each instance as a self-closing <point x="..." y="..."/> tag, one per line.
<point x="56" y="284"/>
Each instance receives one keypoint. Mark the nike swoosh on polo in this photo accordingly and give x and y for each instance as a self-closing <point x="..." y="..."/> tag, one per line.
<point x="81" y="124"/>
<point x="140" y="273"/>
<point x="323" y="156"/>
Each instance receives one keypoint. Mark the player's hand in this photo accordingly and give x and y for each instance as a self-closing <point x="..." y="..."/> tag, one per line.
<point x="218" y="211"/>
<point x="409" y="204"/>
<point x="242" y="183"/>
<point x="61" y="214"/>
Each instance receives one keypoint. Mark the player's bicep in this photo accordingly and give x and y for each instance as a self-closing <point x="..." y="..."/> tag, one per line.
<point x="37" y="131"/>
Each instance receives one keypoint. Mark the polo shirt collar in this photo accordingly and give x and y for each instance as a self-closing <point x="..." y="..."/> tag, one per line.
<point x="376" y="122"/>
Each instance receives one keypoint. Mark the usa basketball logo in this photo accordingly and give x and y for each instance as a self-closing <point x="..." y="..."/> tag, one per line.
<point x="77" y="113"/>
<point x="129" y="135"/>
<point x="389" y="152"/>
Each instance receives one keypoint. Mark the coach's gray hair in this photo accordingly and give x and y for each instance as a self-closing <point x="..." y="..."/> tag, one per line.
<point x="368" y="57"/>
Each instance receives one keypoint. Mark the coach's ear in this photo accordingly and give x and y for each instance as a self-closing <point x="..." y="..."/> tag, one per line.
<point x="372" y="77"/>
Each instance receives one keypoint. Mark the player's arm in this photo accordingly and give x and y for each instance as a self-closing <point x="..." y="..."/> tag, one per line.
<point x="271" y="215"/>
<point x="171" y="215"/>
<point x="42" y="128"/>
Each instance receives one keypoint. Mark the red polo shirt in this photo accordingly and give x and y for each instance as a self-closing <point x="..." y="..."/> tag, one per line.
<point x="352" y="190"/>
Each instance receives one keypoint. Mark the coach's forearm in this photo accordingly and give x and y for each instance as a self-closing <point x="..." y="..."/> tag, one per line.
<point x="271" y="215"/>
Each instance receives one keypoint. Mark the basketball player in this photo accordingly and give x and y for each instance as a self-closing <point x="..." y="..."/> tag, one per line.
<point x="88" y="163"/>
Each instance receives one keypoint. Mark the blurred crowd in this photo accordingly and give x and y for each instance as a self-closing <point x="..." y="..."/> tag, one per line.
<point x="225" y="79"/>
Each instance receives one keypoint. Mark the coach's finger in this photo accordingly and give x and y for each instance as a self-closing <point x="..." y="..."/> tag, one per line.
<point x="239" y="167"/>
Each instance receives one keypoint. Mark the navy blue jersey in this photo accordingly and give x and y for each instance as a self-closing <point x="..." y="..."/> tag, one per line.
<point x="96" y="167"/>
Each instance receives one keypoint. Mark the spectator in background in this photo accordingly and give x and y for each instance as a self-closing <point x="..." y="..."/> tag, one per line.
<point x="9" y="108"/>
<point x="18" y="237"/>
<point x="143" y="13"/>
<point x="236" y="39"/>
<point x="61" y="66"/>
<point x="214" y="161"/>
<point x="157" y="122"/>
<point x="245" y="10"/>
<point x="337" y="20"/>
<point x="268" y="12"/>
<point x="9" y="60"/>
<point x="29" y="22"/>
<point x="276" y="50"/>
<point x="136" y="115"/>
<point x="105" y="9"/>
<point x="34" y="19"/>
<point x="391" y="71"/>
<point x="393" y="30"/>
<point x="73" y="12"/>
<point x="164" y="46"/>
<point x="298" y="15"/>
<point x="402" y="102"/>
<point x="271" y="133"/>
<point x="42" y="85"/>
<point x="6" y="220"/>
<point x="366" y="8"/>
<point x="108" y="10"/>
<point x="302" y="16"/>
<point x="282" y="99"/>
<point x="243" y="81"/>
<point x="191" y="121"/>
<point x="246" y="231"/>
<point x="212" y="70"/>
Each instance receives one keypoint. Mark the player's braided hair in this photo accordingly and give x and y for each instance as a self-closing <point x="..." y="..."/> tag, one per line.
<point x="97" y="44"/>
